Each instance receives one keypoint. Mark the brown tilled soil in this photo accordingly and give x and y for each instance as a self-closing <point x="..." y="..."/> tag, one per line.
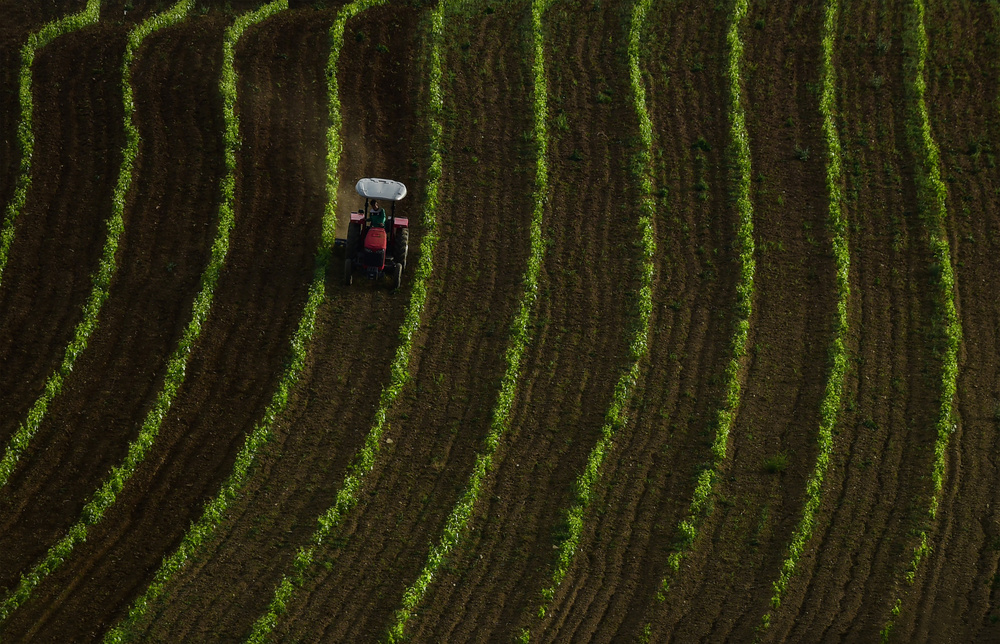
<point x="956" y="595"/>
<point x="163" y="250"/>
<point x="724" y="587"/>
<point x="442" y="418"/>
<point x="876" y="488"/>
<point x="60" y="233"/>
<point x="650" y="480"/>
<point x="242" y="348"/>
<point x="492" y="585"/>
<point x="332" y="408"/>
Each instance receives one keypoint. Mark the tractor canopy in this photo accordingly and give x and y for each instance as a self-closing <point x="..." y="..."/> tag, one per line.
<point x="385" y="189"/>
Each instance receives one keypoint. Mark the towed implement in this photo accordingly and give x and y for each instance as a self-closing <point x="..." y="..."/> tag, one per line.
<point x="377" y="243"/>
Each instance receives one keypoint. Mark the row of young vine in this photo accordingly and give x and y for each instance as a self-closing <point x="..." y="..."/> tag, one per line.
<point x="364" y="460"/>
<point x="615" y="417"/>
<point x="739" y="151"/>
<point x="831" y="404"/>
<point x="457" y="523"/>
<point x="932" y="194"/>
<point x="25" y="126"/>
<point x="107" y="493"/>
<point x="108" y="264"/>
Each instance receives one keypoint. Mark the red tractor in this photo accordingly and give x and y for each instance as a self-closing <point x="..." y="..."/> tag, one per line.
<point x="377" y="244"/>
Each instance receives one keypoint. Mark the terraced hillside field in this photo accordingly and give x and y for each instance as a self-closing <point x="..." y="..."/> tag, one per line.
<point x="698" y="337"/>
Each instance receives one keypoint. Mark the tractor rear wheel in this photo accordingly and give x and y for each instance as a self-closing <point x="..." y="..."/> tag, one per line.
<point x="397" y="276"/>
<point x="348" y="271"/>
<point x="402" y="246"/>
<point x="353" y="237"/>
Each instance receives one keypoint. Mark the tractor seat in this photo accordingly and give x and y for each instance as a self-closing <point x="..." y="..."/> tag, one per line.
<point x="375" y="239"/>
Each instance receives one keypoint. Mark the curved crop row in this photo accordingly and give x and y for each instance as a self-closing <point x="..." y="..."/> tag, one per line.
<point x="458" y="520"/>
<point x="740" y="150"/>
<point x="25" y="128"/>
<point x="364" y="459"/>
<point x="831" y="403"/>
<point x="108" y="265"/>
<point x="933" y="195"/>
<point x="638" y="347"/>
<point x="107" y="494"/>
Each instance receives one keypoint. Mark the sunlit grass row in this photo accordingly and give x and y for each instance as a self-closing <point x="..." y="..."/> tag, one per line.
<point x="739" y="151"/>
<point x="932" y="195"/>
<point x="830" y="406"/>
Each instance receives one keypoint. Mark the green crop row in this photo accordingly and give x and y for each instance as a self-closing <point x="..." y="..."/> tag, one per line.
<point x="25" y="126"/>
<point x="107" y="494"/>
<point x="458" y="521"/>
<point x="740" y="152"/>
<point x="830" y="406"/>
<point x="364" y="459"/>
<point x="108" y="264"/>
<point x="933" y="197"/>
<point x="615" y="417"/>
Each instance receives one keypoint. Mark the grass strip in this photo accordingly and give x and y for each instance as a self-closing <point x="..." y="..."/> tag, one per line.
<point x="615" y="417"/>
<point x="364" y="460"/>
<point x="934" y="211"/>
<point x="831" y="404"/>
<point x="25" y="127"/>
<point x="457" y="524"/>
<point x="108" y="264"/>
<point x="739" y="149"/>
<point x="107" y="494"/>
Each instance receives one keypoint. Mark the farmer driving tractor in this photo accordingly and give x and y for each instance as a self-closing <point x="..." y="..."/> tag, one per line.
<point x="376" y="216"/>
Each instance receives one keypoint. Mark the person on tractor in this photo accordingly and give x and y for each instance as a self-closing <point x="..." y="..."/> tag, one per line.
<point x="376" y="216"/>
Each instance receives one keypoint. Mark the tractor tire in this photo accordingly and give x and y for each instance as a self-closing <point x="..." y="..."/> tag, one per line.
<point x="402" y="246"/>
<point x="353" y="239"/>
<point x="348" y="271"/>
<point x="397" y="276"/>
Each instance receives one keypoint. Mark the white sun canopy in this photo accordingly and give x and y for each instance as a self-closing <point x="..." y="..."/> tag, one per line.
<point x="380" y="189"/>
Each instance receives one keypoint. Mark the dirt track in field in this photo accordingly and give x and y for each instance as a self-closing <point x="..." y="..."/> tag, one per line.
<point x="332" y="408"/>
<point x="163" y="250"/>
<point x="876" y="489"/>
<point x="60" y="232"/>
<point x="238" y="359"/>
<point x="649" y="481"/>
<point x="494" y="581"/>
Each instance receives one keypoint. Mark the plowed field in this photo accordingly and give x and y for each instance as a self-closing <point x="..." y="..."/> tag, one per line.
<point x="646" y="567"/>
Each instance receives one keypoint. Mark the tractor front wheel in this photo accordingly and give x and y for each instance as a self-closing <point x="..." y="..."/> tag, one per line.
<point x="348" y="271"/>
